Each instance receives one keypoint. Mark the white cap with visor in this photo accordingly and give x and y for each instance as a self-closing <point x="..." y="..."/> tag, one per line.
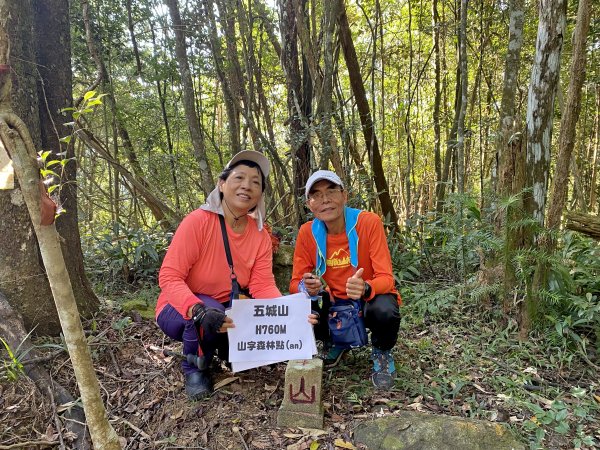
<point x="321" y="175"/>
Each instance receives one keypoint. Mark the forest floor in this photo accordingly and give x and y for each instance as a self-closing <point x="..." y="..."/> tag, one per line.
<point x="456" y="361"/>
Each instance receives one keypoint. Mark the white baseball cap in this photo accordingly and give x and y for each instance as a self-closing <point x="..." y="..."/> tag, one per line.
<point x="254" y="156"/>
<point x="321" y="175"/>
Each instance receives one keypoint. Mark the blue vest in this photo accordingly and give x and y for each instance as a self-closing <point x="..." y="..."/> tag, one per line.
<point x="319" y="232"/>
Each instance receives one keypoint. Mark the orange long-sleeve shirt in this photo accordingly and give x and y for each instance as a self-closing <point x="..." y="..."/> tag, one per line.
<point x="373" y="256"/>
<point x="196" y="263"/>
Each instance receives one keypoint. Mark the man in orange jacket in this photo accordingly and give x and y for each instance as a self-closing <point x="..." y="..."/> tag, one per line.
<point x="347" y="249"/>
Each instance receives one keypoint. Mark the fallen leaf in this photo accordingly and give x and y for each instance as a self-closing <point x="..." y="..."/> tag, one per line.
<point x="131" y="408"/>
<point x="300" y="445"/>
<point x="64" y="407"/>
<point x="343" y="444"/>
<point x="597" y="397"/>
<point x="312" y="432"/>
<point x="292" y="435"/>
<point x="479" y="388"/>
<point x="225" y="382"/>
<point x="177" y="415"/>
<point x="416" y="406"/>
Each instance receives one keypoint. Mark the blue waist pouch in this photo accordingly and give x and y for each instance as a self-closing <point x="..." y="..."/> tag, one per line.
<point x="347" y="325"/>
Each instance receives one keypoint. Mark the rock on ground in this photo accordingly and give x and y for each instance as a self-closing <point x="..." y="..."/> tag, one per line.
<point x="417" y="431"/>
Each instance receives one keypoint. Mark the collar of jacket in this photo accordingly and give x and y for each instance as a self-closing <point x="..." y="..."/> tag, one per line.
<point x="319" y="231"/>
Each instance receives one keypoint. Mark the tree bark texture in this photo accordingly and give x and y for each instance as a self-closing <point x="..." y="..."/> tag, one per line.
<point x="22" y="277"/>
<point x="435" y="17"/>
<point x="540" y="113"/>
<point x="53" y="57"/>
<point x="507" y="126"/>
<point x="358" y="88"/>
<point x="568" y="121"/>
<point x="324" y="108"/>
<point x="584" y="223"/>
<point x="189" y="105"/>
<point x="464" y="77"/>
<point x="298" y="134"/>
<point x="540" y="102"/>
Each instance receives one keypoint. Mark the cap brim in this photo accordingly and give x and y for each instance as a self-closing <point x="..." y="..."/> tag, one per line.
<point x="323" y="176"/>
<point x="254" y="156"/>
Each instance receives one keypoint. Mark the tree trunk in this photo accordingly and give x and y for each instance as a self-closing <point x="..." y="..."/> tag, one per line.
<point x="136" y="51"/>
<point x="298" y="134"/>
<point x="17" y="141"/>
<point x="22" y="277"/>
<point x="584" y="223"/>
<point x="324" y="109"/>
<point x="596" y="143"/>
<point x="231" y="103"/>
<point x="366" y="120"/>
<point x="464" y="77"/>
<point x="450" y="144"/>
<point x="506" y="127"/>
<point x="53" y="57"/>
<point x="437" y="99"/>
<point x="188" y="99"/>
<point x="568" y="121"/>
<point x="540" y="112"/>
<point x="540" y="101"/>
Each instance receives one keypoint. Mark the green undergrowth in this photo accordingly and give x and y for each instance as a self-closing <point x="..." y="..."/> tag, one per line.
<point x="457" y="356"/>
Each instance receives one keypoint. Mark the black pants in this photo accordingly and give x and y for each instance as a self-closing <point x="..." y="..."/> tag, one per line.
<point x="382" y="317"/>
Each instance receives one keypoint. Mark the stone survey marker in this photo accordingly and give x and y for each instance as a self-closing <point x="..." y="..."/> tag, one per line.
<point x="302" y="405"/>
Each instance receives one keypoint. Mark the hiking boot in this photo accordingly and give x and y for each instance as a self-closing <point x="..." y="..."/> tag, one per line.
<point x="334" y="356"/>
<point x="384" y="369"/>
<point x="198" y="385"/>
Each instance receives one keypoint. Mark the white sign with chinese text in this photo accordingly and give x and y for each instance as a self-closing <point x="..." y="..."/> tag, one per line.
<point x="269" y="331"/>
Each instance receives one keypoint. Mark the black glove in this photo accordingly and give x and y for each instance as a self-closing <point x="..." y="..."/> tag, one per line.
<point x="211" y="319"/>
<point x="316" y="313"/>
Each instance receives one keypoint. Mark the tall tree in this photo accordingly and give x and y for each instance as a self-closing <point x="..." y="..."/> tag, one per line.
<point x="540" y="102"/>
<point x="189" y="104"/>
<point x="540" y="112"/>
<point x="232" y="104"/>
<point x="22" y="277"/>
<point x="298" y="133"/>
<point x="358" y="88"/>
<point x="568" y="121"/>
<point x="16" y="140"/>
<point x="435" y="18"/>
<point x="53" y="58"/>
<point x="464" y="77"/>
<point x="507" y="127"/>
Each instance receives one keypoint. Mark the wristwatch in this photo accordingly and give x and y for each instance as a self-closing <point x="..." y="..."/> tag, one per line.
<point x="367" y="292"/>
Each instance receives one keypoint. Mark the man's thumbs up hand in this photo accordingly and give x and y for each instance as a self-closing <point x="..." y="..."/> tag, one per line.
<point x="355" y="285"/>
<point x="358" y="273"/>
